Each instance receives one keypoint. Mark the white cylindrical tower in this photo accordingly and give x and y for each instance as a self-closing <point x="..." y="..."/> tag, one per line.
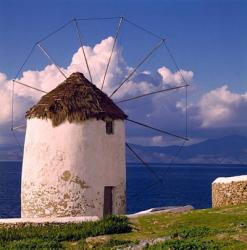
<point x="74" y="154"/>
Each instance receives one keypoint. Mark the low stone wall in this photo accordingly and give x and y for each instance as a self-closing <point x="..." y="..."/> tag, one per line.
<point x="229" y="191"/>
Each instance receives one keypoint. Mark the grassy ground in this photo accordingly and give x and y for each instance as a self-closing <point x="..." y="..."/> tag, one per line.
<point x="59" y="236"/>
<point x="224" y="228"/>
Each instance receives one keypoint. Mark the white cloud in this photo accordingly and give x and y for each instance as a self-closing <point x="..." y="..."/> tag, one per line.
<point x="50" y="77"/>
<point x="20" y="103"/>
<point x="157" y="140"/>
<point x="149" y="140"/>
<point x="5" y="98"/>
<point x="175" y="78"/>
<point x="217" y="108"/>
<point x="97" y="59"/>
<point x="222" y="108"/>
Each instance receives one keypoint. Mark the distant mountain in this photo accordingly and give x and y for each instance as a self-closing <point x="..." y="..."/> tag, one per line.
<point x="229" y="149"/>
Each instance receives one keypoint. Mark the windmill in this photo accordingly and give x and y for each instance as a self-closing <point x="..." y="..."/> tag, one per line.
<point x="53" y="186"/>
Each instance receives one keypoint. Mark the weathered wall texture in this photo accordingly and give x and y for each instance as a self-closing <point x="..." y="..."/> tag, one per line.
<point x="229" y="191"/>
<point x="66" y="168"/>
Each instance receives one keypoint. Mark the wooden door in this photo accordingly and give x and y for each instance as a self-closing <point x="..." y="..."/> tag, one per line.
<point x="108" y="201"/>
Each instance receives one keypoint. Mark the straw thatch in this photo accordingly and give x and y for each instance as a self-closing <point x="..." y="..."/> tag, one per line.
<point x="76" y="99"/>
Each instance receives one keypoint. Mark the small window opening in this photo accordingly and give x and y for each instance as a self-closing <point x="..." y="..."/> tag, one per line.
<point x="109" y="127"/>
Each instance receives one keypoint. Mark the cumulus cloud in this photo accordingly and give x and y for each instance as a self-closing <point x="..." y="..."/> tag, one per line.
<point x="175" y="78"/>
<point x="97" y="59"/>
<point x="217" y="108"/>
<point x="222" y="108"/>
<point x="97" y="56"/>
<point x="157" y="140"/>
<point x="5" y="98"/>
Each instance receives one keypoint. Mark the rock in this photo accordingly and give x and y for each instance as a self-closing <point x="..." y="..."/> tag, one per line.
<point x="143" y="244"/>
<point x="97" y="241"/>
<point x="171" y="209"/>
<point x="160" y="239"/>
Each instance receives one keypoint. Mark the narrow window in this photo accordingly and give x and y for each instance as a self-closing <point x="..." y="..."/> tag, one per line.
<point x="109" y="127"/>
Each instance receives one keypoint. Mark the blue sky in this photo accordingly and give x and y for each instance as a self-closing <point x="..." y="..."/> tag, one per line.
<point x="207" y="38"/>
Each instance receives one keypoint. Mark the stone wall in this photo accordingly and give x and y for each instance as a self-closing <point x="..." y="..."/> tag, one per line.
<point x="229" y="191"/>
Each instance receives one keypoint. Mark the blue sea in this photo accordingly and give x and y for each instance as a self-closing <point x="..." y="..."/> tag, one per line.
<point x="181" y="185"/>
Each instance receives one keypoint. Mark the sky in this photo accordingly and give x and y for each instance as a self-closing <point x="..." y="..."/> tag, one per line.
<point x="207" y="38"/>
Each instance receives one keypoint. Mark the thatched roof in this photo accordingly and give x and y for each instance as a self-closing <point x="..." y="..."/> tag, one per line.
<point x="76" y="99"/>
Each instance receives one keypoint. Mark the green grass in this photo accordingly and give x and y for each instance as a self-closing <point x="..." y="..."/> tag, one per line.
<point x="224" y="228"/>
<point x="53" y="236"/>
<point x="34" y="243"/>
<point x="194" y="232"/>
<point x="191" y="244"/>
<point x="196" y="238"/>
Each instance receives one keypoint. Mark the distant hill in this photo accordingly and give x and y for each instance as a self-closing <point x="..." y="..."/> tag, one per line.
<point x="229" y="149"/>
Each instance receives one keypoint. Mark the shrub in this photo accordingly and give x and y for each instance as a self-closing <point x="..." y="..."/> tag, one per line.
<point x="188" y="244"/>
<point x="34" y="243"/>
<point x="193" y="232"/>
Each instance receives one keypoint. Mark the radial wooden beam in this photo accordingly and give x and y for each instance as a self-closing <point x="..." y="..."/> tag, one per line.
<point x="144" y="163"/>
<point x="159" y="130"/>
<point x="29" y="86"/>
<point x="114" y="43"/>
<point x="82" y="47"/>
<point x="152" y="93"/>
<point x="138" y="66"/>
<point x="50" y="58"/>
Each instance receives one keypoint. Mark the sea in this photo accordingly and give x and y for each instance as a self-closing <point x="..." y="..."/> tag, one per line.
<point x="165" y="185"/>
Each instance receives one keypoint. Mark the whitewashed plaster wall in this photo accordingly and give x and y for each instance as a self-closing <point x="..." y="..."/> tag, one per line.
<point x="66" y="168"/>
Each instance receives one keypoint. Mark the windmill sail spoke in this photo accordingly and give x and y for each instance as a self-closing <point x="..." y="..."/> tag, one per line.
<point x="29" y="86"/>
<point x="143" y="29"/>
<point x="25" y="61"/>
<point x="12" y="104"/>
<point x="98" y="18"/>
<point x="82" y="47"/>
<point x="55" y="31"/>
<point x="159" y="130"/>
<point x="50" y="58"/>
<point x="185" y="82"/>
<point x="113" y="46"/>
<point x="174" y="62"/>
<point x="18" y="143"/>
<point x="152" y="93"/>
<point x="19" y="127"/>
<point x="144" y="163"/>
<point x="138" y="66"/>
